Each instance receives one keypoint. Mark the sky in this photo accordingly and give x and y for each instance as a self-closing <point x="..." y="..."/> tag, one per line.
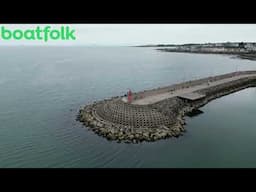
<point x="141" y="34"/>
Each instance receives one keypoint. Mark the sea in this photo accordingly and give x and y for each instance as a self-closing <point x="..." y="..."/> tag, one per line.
<point x="42" y="89"/>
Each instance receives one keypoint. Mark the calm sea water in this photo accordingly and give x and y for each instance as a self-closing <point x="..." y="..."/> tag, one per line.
<point x="42" y="89"/>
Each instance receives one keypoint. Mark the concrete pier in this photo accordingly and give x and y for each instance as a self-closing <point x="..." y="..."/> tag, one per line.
<point x="159" y="113"/>
<point x="188" y="88"/>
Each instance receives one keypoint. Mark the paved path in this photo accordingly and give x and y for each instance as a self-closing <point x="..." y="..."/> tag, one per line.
<point x="161" y="96"/>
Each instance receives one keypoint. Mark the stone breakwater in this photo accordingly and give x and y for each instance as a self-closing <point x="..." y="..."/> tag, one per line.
<point x="130" y="123"/>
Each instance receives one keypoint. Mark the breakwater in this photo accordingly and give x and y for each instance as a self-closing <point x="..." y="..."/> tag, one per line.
<point x="159" y="113"/>
<point x="242" y="54"/>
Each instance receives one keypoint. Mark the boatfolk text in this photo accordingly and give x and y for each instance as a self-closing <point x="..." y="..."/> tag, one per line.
<point x="42" y="34"/>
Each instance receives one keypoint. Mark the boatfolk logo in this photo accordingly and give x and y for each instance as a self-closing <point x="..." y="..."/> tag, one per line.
<point x="38" y="34"/>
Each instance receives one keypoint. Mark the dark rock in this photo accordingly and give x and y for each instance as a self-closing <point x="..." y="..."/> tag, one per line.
<point x="130" y="137"/>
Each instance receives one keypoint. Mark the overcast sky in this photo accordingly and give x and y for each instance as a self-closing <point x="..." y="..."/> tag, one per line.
<point x="139" y="34"/>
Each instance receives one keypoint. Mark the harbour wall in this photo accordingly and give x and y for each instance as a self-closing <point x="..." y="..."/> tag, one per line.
<point x="124" y="122"/>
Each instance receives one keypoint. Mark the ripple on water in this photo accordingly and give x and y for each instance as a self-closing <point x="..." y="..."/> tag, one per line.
<point x="38" y="130"/>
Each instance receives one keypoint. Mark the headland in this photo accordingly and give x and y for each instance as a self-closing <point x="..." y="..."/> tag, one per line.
<point x="243" y="50"/>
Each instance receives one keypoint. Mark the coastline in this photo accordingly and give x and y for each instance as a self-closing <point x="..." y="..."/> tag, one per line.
<point x="248" y="56"/>
<point x="116" y="120"/>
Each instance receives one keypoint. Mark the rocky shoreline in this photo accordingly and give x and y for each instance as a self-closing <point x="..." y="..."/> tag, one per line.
<point x="248" y="56"/>
<point x="127" y="134"/>
<point x="119" y="121"/>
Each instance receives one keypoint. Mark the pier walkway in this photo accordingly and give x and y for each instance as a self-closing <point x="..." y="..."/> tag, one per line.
<point x="188" y="91"/>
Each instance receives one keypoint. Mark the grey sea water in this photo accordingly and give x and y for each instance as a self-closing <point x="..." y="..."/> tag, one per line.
<point x="42" y="89"/>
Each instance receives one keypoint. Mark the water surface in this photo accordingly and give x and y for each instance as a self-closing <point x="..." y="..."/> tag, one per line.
<point x="42" y="89"/>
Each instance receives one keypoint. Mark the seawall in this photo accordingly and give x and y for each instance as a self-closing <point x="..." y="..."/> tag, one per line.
<point x="250" y="55"/>
<point x="126" y="122"/>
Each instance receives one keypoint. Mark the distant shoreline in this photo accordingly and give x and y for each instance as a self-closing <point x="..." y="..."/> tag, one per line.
<point x="242" y="50"/>
<point x="249" y="56"/>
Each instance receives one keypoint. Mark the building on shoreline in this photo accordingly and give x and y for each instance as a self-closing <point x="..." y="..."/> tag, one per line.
<point x="228" y="47"/>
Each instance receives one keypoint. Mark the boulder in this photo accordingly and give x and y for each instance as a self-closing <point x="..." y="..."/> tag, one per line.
<point x="111" y="137"/>
<point x="146" y="134"/>
<point x="100" y="125"/>
<point x="163" y="135"/>
<point x="130" y="136"/>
